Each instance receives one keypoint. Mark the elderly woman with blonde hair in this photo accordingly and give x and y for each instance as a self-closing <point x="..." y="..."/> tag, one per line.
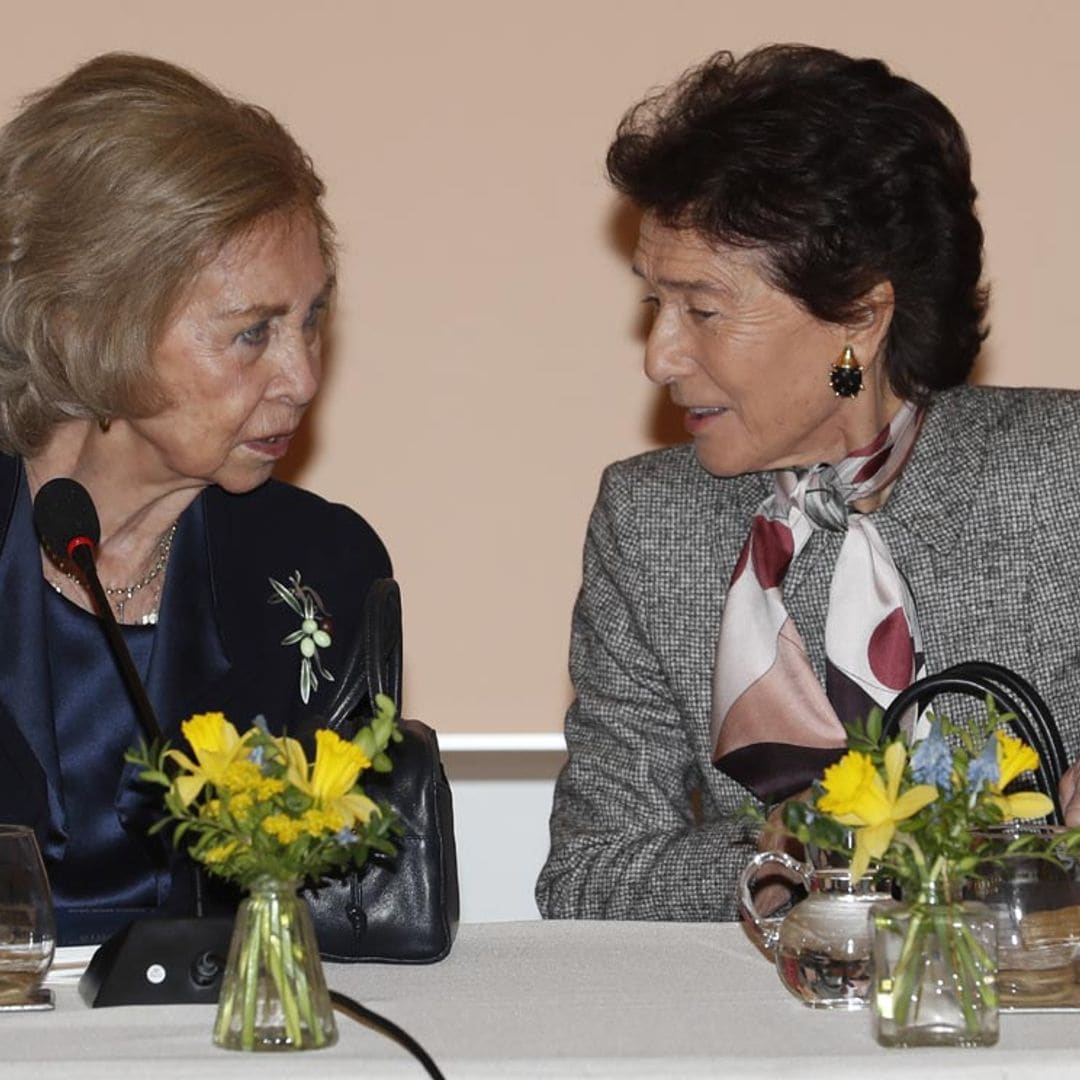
<point x="166" y="268"/>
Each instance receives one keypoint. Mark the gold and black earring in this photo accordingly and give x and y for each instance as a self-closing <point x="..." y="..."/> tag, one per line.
<point x="845" y="376"/>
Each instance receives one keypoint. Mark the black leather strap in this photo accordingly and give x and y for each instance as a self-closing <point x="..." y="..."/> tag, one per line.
<point x="1012" y="693"/>
<point x="382" y="631"/>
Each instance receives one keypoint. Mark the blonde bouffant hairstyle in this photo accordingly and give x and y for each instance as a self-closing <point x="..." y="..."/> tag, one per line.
<point x="117" y="186"/>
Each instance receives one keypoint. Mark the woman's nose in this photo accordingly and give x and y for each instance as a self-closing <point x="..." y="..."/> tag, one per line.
<point x="667" y="352"/>
<point x="301" y="372"/>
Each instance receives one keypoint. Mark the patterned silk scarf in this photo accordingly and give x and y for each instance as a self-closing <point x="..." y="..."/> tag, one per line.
<point x="774" y="727"/>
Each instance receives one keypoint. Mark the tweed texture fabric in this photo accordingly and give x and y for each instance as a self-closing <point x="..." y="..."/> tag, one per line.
<point x="981" y="524"/>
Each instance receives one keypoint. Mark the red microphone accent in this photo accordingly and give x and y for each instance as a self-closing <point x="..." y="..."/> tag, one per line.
<point x="77" y="542"/>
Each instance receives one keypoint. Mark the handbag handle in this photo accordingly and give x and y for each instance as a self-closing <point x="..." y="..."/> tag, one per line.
<point x="382" y="640"/>
<point x="1012" y="693"/>
<point x="371" y="664"/>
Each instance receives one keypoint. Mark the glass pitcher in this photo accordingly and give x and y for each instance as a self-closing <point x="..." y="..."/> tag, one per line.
<point x="1036" y="902"/>
<point x="823" y="946"/>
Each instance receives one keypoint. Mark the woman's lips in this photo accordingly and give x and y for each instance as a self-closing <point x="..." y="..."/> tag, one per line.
<point x="273" y="446"/>
<point x="696" y="420"/>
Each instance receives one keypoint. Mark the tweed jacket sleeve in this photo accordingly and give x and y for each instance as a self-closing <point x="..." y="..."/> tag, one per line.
<point x="642" y="826"/>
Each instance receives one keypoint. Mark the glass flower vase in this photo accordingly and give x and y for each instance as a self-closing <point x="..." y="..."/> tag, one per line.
<point x="273" y="994"/>
<point x="935" y="972"/>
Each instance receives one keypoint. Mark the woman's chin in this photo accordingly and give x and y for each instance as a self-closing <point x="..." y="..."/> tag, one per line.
<point x="723" y="464"/>
<point x="241" y="481"/>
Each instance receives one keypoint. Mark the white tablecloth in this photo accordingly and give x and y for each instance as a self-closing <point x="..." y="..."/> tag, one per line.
<point x="533" y="999"/>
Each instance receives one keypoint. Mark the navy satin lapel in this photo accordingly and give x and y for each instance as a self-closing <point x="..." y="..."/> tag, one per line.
<point x="189" y="653"/>
<point x="24" y="675"/>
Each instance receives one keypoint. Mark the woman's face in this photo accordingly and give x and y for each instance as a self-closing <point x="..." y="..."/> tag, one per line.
<point x="748" y="365"/>
<point x="240" y="361"/>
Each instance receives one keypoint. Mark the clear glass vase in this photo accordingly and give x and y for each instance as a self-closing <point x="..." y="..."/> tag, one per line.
<point x="935" y="972"/>
<point x="273" y="995"/>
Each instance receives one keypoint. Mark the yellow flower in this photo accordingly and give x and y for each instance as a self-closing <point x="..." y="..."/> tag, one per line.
<point x="240" y="775"/>
<point x="1014" y="758"/>
<point x="216" y="745"/>
<point x="241" y="802"/>
<point x="282" y="827"/>
<point x="856" y="795"/>
<point x="268" y="787"/>
<point x="329" y="782"/>
<point x="316" y="822"/>
<point x="220" y="853"/>
<point x="338" y="764"/>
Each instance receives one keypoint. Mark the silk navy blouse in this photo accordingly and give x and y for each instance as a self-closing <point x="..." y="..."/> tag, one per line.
<point x="109" y="874"/>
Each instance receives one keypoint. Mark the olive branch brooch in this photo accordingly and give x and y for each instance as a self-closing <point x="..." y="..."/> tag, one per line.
<point x="313" y="634"/>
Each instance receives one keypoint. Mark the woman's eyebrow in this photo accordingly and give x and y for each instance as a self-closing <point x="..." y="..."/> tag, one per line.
<point x="270" y="311"/>
<point x="689" y="285"/>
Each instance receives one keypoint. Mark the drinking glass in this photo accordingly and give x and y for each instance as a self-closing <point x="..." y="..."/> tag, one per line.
<point x="27" y="928"/>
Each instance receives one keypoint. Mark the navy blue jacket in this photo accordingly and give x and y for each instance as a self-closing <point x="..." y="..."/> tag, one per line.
<point x="218" y="644"/>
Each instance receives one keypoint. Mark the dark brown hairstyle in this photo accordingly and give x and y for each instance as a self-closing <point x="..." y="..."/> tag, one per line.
<point x="842" y="174"/>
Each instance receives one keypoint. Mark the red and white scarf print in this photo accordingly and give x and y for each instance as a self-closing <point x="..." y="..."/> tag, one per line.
<point x="774" y="727"/>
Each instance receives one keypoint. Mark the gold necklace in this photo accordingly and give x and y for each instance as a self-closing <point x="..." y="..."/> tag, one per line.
<point x="127" y="592"/>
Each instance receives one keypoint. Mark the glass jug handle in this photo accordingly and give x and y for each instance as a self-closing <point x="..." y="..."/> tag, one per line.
<point x="767" y="926"/>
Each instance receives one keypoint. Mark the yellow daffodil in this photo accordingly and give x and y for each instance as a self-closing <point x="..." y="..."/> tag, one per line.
<point x="216" y="745"/>
<point x="855" y="795"/>
<point x="1015" y="757"/>
<point x="330" y="781"/>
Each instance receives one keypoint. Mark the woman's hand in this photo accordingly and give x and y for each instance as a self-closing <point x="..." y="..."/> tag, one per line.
<point x="1069" y="792"/>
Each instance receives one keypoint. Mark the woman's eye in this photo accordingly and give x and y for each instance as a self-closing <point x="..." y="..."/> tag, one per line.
<point x="315" y="314"/>
<point x="254" y="335"/>
<point x="651" y="301"/>
<point x="700" y="313"/>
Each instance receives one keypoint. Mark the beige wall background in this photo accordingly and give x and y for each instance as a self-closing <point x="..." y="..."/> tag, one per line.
<point x="486" y="358"/>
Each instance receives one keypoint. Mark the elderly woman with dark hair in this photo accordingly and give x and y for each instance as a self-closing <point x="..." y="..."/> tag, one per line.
<point x="165" y="272"/>
<point x="849" y="516"/>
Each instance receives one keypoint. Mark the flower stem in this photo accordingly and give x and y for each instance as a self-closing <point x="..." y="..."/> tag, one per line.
<point x="250" y="967"/>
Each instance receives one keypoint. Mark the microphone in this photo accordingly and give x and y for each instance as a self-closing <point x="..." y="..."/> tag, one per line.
<point x="67" y="522"/>
<point x="160" y="960"/>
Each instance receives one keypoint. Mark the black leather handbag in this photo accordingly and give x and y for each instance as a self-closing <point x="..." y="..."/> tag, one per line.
<point x="402" y="909"/>
<point x="1032" y="720"/>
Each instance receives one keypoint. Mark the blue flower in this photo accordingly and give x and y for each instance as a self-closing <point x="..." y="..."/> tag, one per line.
<point x="345" y="837"/>
<point x="984" y="769"/>
<point x="931" y="761"/>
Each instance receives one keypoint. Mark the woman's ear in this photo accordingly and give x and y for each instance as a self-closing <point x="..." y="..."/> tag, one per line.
<point x="871" y="326"/>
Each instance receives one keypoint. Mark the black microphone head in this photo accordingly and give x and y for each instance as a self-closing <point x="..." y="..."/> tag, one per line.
<point x="63" y="513"/>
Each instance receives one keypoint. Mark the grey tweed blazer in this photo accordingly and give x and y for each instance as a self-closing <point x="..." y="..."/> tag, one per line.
<point x="983" y="523"/>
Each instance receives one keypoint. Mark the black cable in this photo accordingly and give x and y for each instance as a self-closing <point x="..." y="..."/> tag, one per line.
<point x="363" y="1015"/>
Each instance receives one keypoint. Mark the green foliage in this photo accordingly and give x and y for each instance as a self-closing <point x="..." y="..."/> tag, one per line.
<point x="252" y="805"/>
